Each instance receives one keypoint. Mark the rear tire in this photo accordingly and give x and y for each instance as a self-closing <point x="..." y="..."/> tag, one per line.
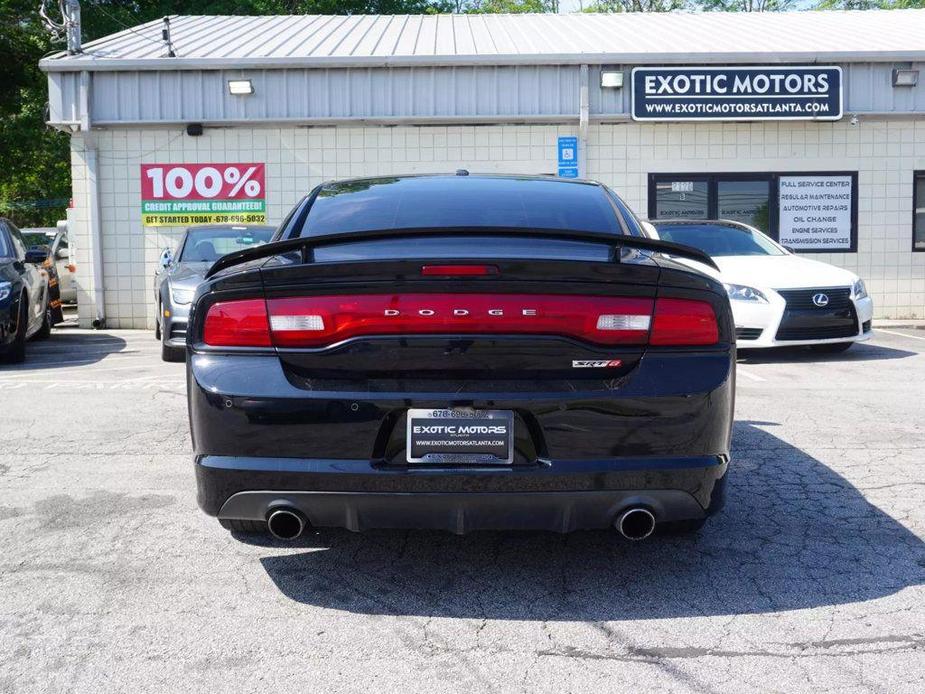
<point x="17" y="351"/>
<point x="45" y="331"/>
<point x="174" y="354"/>
<point x="244" y="526"/>
<point x="832" y="347"/>
<point x="685" y="527"/>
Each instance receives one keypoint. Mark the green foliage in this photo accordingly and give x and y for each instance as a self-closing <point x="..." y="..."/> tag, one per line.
<point x="637" y="5"/>
<point x="34" y="161"/>
<point x="506" y="6"/>
<point x="747" y="5"/>
<point x="870" y="4"/>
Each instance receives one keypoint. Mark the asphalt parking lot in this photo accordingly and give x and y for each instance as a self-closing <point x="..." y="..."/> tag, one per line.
<point x="812" y="578"/>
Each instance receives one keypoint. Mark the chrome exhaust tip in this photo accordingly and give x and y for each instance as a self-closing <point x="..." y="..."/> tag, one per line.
<point x="285" y="523"/>
<point x="635" y="523"/>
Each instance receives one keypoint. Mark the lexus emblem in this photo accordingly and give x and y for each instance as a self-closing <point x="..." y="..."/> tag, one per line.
<point x="821" y="300"/>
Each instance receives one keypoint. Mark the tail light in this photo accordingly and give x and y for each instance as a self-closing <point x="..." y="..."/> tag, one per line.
<point x="323" y="320"/>
<point x="684" y="322"/>
<point x="237" y="324"/>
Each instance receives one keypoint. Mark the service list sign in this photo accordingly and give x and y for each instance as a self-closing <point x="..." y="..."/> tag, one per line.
<point x="816" y="212"/>
<point x="737" y="94"/>
<point x="185" y="194"/>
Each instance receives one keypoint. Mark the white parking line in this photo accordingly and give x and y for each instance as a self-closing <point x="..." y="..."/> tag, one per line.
<point x="749" y="375"/>
<point x="893" y="332"/>
<point x="55" y="384"/>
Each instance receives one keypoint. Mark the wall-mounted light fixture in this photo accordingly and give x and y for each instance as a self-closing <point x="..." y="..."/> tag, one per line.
<point x="611" y="79"/>
<point x="905" y="78"/>
<point x="240" y="87"/>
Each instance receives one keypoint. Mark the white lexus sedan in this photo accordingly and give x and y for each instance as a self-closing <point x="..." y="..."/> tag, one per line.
<point x="778" y="299"/>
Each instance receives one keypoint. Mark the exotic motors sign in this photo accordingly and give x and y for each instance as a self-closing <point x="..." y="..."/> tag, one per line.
<point x="184" y="194"/>
<point x="817" y="211"/>
<point x="740" y="93"/>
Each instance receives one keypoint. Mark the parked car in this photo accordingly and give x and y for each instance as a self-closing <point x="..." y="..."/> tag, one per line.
<point x="55" y="240"/>
<point x="460" y="352"/>
<point x="24" y="309"/>
<point x="176" y="278"/>
<point x="778" y="298"/>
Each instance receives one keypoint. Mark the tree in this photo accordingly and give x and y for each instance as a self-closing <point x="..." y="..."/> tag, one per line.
<point x="869" y="4"/>
<point x="506" y="6"/>
<point x="636" y="5"/>
<point x="746" y="5"/>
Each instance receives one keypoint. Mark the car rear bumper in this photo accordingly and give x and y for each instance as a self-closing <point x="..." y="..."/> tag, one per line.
<point x="559" y="496"/>
<point x="335" y="450"/>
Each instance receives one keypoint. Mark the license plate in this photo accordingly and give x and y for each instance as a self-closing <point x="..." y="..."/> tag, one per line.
<point x="461" y="436"/>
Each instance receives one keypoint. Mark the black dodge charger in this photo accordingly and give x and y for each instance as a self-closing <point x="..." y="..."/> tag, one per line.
<point x="461" y="352"/>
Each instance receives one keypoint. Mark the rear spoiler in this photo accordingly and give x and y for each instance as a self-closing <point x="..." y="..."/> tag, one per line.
<point x="306" y="245"/>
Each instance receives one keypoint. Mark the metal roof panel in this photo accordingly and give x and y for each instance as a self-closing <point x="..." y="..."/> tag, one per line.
<point x="216" y="42"/>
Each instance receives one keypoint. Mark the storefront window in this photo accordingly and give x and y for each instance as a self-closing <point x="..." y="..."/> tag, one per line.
<point x="748" y="202"/>
<point x="809" y="211"/>
<point x="682" y="199"/>
<point x="918" y="213"/>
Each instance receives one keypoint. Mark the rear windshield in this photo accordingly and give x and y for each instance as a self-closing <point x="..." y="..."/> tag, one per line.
<point x="34" y="239"/>
<point x="718" y="239"/>
<point x="207" y="245"/>
<point x="459" y="202"/>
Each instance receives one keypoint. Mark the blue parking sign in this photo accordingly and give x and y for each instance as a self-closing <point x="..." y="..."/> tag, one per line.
<point x="568" y="151"/>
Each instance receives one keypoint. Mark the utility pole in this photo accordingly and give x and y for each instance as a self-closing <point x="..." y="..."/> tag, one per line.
<point x="68" y="27"/>
<point x="71" y="12"/>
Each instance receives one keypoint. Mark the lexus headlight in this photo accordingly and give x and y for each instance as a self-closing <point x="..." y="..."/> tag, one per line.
<point x="6" y="288"/>
<point x="859" y="290"/>
<point x="181" y="296"/>
<point x="739" y="292"/>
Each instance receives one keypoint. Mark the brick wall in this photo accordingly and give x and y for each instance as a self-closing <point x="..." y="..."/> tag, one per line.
<point x="621" y="155"/>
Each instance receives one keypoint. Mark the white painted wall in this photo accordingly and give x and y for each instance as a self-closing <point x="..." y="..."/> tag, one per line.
<point x="621" y="155"/>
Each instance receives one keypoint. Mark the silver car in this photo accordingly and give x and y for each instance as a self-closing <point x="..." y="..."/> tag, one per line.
<point x="55" y="239"/>
<point x="177" y="276"/>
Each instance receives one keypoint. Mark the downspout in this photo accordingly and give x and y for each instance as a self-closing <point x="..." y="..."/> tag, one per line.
<point x="91" y="159"/>
<point x="583" y="118"/>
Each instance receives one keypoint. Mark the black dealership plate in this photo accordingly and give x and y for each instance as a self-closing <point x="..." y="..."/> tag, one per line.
<point x="482" y="437"/>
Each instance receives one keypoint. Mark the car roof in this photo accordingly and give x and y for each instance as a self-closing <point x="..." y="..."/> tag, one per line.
<point x="457" y="176"/>
<point x="700" y="222"/>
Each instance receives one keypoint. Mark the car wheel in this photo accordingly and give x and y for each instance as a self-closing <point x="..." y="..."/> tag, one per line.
<point x="832" y="347"/>
<point x="169" y="353"/>
<point x="244" y="526"/>
<point x="17" y="351"/>
<point x="157" y="324"/>
<point x="685" y="527"/>
<point x="45" y="331"/>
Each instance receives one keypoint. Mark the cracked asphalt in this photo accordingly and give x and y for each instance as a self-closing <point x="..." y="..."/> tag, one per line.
<point x="810" y="579"/>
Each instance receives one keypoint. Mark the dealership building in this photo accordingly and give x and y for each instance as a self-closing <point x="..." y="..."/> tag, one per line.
<point x="809" y="125"/>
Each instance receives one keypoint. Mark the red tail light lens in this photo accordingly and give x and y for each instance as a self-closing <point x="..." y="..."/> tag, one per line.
<point x="237" y="324"/>
<point x="679" y="322"/>
<point x="323" y="320"/>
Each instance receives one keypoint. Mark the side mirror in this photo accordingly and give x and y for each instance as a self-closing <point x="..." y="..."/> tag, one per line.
<point x="63" y="254"/>
<point x="789" y="249"/>
<point x="36" y="256"/>
<point x="166" y="258"/>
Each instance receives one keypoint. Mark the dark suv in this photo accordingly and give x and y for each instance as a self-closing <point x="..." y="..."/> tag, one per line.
<point x="25" y="309"/>
<point x="460" y="352"/>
